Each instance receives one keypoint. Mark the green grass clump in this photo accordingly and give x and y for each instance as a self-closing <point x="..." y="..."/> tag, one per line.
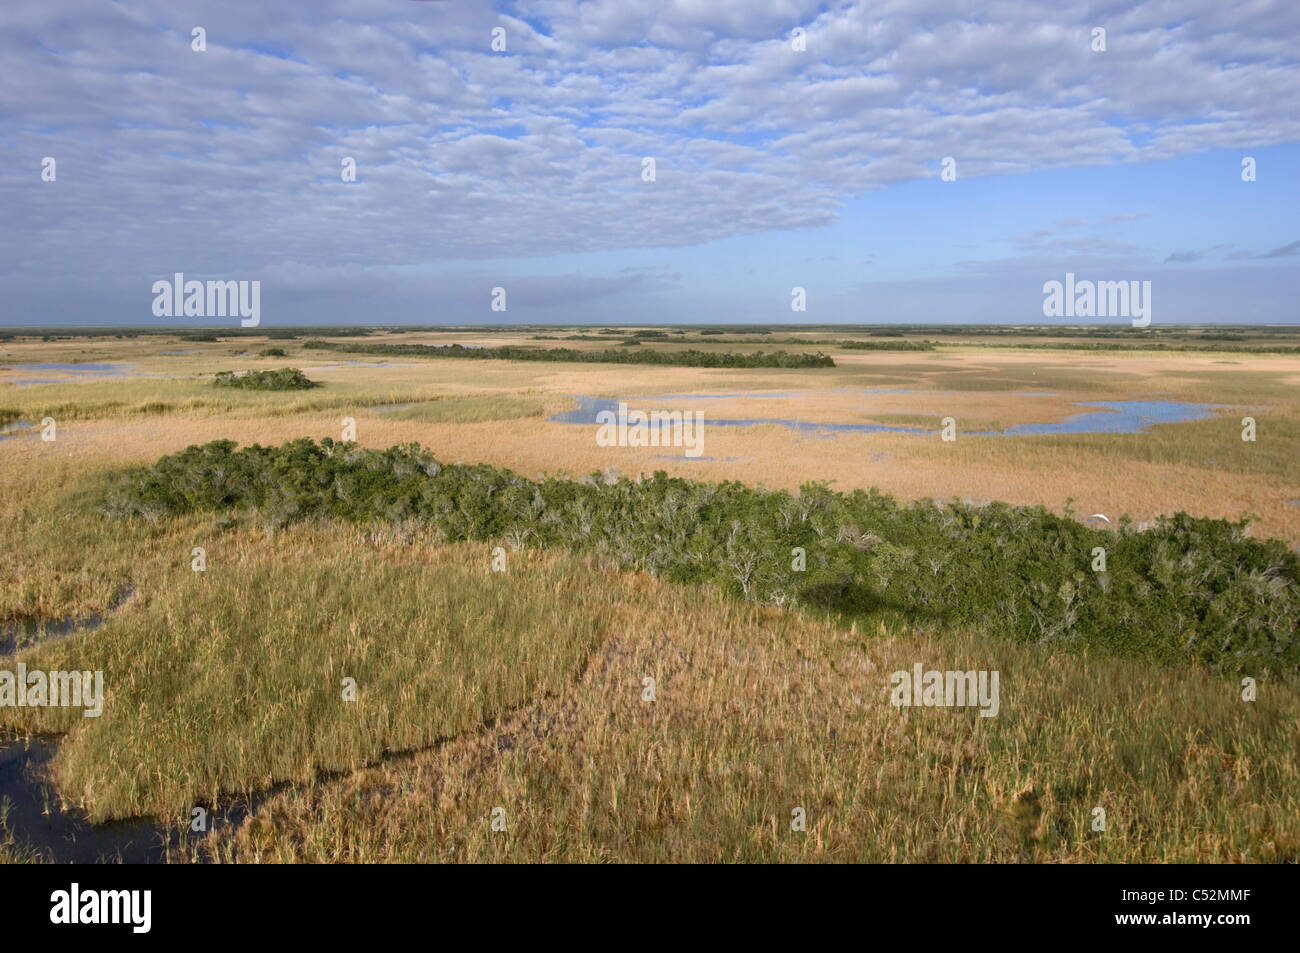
<point x="272" y="352"/>
<point x="1188" y="589"/>
<point x="286" y="378"/>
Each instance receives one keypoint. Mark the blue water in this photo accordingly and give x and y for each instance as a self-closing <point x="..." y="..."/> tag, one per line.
<point x="87" y="367"/>
<point x="1120" y="416"/>
<point x="18" y="428"/>
<point x="1116" y="417"/>
<point x="86" y="371"/>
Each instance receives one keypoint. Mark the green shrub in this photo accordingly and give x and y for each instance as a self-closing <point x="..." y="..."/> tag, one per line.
<point x="1186" y="589"/>
<point x="286" y="378"/>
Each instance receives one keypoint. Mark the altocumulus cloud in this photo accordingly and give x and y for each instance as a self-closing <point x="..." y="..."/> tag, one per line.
<point x="226" y="162"/>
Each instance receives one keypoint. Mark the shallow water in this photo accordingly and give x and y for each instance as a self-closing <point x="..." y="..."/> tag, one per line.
<point x="37" y="822"/>
<point x="33" y="812"/>
<point x="18" y="428"/>
<point x="31" y="807"/>
<point x="1119" y="416"/>
<point x="1116" y="417"/>
<point x="21" y="635"/>
<point x="33" y="815"/>
<point x="87" y="370"/>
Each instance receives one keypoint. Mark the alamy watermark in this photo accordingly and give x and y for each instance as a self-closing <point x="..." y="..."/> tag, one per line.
<point x="1098" y="299"/>
<point x="656" y="428"/>
<point x="76" y="906"/>
<point x="211" y="299"/>
<point x="935" y="689"/>
<point x="37" y="689"/>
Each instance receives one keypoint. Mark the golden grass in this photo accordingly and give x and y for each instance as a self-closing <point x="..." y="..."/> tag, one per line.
<point x="523" y="691"/>
<point x="230" y="680"/>
<point x="488" y="411"/>
<point x="759" y="712"/>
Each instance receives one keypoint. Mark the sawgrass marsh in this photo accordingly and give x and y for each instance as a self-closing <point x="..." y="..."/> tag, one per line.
<point x="522" y="689"/>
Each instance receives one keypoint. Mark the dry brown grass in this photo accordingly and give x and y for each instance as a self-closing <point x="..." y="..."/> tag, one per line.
<point x="1203" y="468"/>
<point x="758" y="712"/>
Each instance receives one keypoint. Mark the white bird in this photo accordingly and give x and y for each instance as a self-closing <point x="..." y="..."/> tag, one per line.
<point x="1100" y="516"/>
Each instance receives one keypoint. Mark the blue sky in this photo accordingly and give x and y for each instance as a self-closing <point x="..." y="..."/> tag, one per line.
<point x="775" y="167"/>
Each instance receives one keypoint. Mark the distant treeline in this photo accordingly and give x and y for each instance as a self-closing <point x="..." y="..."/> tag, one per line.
<point x="1181" y="345"/>
<point x="888" y="345"/>
<point x="523" y="353"/>
<point x="1186" y="590"/>
<point x="640" y="336"/>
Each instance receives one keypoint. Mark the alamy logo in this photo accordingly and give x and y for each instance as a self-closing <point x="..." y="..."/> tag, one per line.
<point x="1098" y="299"/>
<point x="211" y="299"/>
<point x="37" y="689"/>
<point x="103" y="906"/>
<point x="935" y="689"/>
<point x="658" y="428"/>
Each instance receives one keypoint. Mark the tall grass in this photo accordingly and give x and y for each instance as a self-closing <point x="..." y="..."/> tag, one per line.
<point x="760" y="711"/>
<point x="225" y="681"/>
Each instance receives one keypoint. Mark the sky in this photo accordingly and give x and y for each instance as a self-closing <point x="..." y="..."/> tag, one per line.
<point x="782" y="159"/>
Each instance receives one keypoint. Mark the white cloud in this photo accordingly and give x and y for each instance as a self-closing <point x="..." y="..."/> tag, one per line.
<point x="228" y="160"/>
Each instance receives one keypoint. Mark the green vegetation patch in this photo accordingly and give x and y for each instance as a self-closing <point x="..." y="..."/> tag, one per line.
<point x="1188" y="589"/>
<point x="688" y="358"/>
<point x="285" y="378"/>
<point x="888" y="345"/>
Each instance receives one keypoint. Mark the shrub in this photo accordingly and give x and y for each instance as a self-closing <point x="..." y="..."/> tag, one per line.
<point x="286" y="378"/>
<point x="1188" y="589"/>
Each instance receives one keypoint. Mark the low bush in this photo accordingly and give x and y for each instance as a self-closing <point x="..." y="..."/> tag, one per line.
<point x="286" y="378"/>
<point x="1189" y="588"/>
